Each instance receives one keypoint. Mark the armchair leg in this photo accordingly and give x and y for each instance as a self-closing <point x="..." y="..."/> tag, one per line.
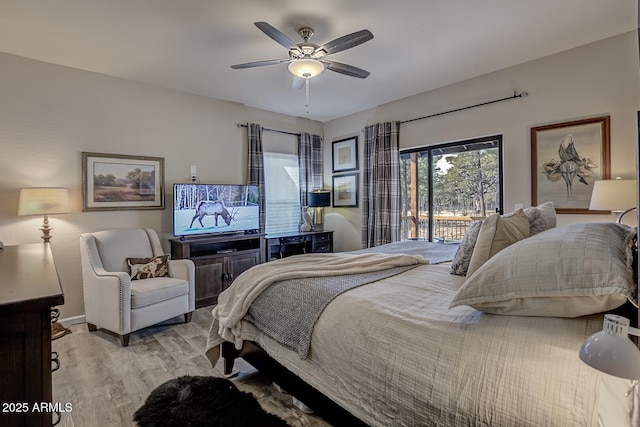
<point x="187" y="317"/>
<point x="92" y="327"/>
<point x="124" y="340"/>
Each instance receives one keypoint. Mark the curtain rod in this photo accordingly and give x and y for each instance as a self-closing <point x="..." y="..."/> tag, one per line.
<point x="242" y="125"/>
<point x="514" y="96"/>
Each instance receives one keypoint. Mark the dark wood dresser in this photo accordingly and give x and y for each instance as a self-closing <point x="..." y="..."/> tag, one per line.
<point x="29" y="288"/>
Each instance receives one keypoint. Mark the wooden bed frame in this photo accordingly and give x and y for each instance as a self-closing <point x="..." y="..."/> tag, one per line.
<point x="324" y="407"/>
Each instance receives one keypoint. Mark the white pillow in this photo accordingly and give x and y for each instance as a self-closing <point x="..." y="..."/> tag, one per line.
<point x="496" y="233"/>
<point x="570" y="271"/>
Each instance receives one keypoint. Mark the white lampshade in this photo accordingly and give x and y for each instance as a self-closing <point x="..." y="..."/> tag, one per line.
<point x="43" y="201"/>
<point x="611" y="351"/>
<point x="306" y="67"/>
<point x="613" y="195"/>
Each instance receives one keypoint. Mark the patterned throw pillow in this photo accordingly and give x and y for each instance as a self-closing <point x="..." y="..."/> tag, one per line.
<point x="462" y="258"/>
<point x="146" y="268"/>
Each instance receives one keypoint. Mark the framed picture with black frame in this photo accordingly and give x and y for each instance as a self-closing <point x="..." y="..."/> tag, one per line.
<point x="345" y="155"/>
<point x="345" y="191"/>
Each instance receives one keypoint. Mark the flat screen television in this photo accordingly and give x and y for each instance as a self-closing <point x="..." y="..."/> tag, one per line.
<point x="201" y="209"/>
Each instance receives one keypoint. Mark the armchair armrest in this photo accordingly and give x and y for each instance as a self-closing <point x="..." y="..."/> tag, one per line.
<point x="107" y="294"/>
<point x="185" y="269"/>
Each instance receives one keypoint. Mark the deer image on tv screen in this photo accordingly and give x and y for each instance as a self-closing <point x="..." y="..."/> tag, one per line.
<point x="216" y="209"/>
<point x="197" y="209"/>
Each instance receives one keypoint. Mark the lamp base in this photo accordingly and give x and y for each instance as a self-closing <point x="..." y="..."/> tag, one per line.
<point x="58" y="331"/>
<point x="46" y="230"/>
<point x="318" y="218"/>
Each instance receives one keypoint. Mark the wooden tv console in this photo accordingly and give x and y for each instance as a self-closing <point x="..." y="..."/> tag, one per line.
<point x="219" y="260"/>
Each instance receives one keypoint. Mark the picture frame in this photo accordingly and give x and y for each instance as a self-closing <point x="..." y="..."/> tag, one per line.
<point x="345" y="155"/>
<point x="121" y="182"/>
<point x="345" y="191"/>
<point x="566" y="159"/>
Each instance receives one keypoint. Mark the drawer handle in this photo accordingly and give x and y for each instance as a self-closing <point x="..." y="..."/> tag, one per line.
<point x="55" y="360"/>
<point x="55" y="314"/>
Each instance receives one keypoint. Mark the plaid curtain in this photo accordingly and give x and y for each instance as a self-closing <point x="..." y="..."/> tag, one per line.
<point x="255" y="166"/>
<point x="381" y="185"/>
<point x="309" y="164"/>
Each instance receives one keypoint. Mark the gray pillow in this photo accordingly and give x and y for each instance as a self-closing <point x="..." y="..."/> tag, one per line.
<point x="541" y="218"/>
<point x="462" y="258"/>
<point x="570" y="271"/>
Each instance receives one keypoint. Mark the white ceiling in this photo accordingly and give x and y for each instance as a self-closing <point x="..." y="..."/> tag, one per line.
<point x="189" y="45"/>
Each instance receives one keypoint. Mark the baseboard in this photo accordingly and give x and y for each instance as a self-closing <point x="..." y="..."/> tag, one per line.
<point x="75" y="320"/>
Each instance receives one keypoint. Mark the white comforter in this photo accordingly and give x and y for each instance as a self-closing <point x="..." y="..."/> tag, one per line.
<point x="393" y="354"/>
<point x="234" y="302"/>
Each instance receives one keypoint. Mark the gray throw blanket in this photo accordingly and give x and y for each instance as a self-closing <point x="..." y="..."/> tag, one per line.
<point x="288" y="310"/>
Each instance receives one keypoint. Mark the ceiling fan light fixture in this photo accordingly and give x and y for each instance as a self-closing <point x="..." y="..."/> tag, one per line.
<point x="306" y="68"/>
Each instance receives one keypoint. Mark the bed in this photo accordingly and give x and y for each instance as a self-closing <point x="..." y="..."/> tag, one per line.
<point x="422" y="346"/>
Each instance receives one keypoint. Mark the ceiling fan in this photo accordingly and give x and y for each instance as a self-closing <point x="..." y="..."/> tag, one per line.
<point x="307" y="59"/>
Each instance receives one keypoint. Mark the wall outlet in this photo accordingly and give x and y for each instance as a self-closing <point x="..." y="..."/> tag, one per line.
<point x="518" y="206"/>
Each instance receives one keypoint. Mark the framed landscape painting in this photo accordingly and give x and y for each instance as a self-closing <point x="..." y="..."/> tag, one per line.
<point x="345" y="155"/>
<point x="120" y="182"/>
<point x="566" y="159"/>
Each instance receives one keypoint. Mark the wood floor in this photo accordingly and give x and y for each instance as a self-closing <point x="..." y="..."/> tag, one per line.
<point x="106" y="383"/>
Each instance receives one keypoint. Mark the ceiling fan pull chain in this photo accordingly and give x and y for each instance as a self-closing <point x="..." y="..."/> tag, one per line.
<point x="306" y="88"/>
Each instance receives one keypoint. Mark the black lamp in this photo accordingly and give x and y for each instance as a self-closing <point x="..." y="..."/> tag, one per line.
<point x="318" y="199"/>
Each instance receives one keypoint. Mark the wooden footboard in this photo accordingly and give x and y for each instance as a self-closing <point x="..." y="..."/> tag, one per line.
<point x="287" y="380"/>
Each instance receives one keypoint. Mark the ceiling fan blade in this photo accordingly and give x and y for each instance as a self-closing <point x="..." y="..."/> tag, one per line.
<point x="276" y="34"/>
<point x="260" y="63"/>
<point x="346" y="69"/>
<point x="298" y="83"/>
<point x="346" y="42"/>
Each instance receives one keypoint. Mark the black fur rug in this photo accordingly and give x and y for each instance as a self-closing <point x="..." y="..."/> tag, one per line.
<point x="203" y="401"/>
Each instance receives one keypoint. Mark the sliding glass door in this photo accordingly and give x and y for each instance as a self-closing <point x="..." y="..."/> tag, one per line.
<point x="445" y="187"/>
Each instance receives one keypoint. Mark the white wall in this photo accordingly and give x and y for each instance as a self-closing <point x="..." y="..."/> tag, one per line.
<point x="50" y="114"/>
<point x="593" y="80"/>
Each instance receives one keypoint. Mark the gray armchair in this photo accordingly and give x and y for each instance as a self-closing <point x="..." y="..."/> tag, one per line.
<point x="115" y="302"/>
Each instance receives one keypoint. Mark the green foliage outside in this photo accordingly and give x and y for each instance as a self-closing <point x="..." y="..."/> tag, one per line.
<point x="466" y="185"/>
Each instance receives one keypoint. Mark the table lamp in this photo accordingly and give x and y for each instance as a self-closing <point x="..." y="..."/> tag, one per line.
<point x="318" y="199"/>
<point x="615" y="195"/>
<point x="611" y="351"/>
<point x="44" y="201"/>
